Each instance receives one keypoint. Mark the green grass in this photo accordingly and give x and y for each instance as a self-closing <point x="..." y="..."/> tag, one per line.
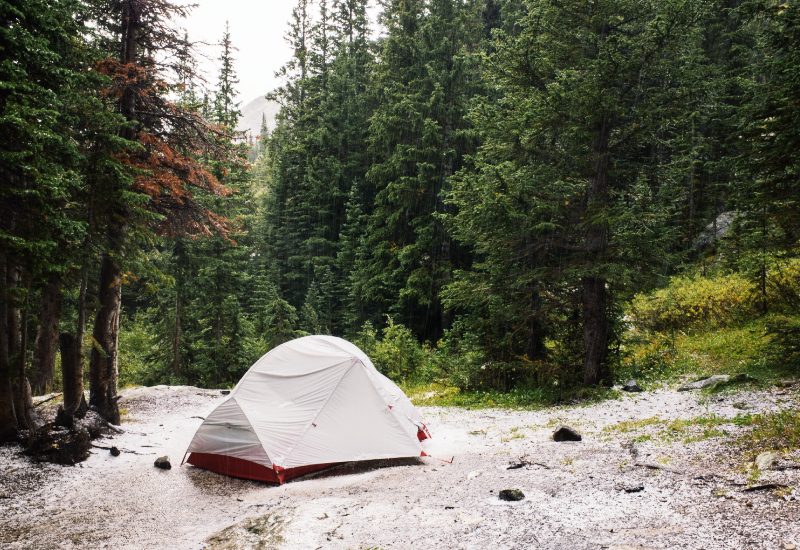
<point x="689" y="430"/>
<point x="627" y="426"/>
<point x="437" y="394"/>
<point x="748" y="348"/>
<point x="778" y="431"/>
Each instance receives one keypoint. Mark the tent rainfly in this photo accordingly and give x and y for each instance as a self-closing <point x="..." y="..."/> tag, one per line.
<point x="307" y="404"/>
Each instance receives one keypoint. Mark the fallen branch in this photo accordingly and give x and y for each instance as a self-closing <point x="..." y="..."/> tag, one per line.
<point x="120" y="450"/>
<point x="781" y="466"/>
<point x="765" y="487"/>
<point x="43" y="401"/>
<point x="523" y="463"/>
<point x="651" y="466"/>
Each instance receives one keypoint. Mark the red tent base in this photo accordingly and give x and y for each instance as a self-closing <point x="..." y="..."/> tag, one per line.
<point x="237" y="467"/>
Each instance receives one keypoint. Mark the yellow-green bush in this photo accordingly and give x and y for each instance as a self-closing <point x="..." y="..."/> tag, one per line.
<point x="783" y="286"/>
<point x="691" y="301"/>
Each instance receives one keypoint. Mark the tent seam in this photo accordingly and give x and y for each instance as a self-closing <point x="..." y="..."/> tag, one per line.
<point x="250" y="423"/>
<point x="392" y="410"/>
<point x="319" y="411"/>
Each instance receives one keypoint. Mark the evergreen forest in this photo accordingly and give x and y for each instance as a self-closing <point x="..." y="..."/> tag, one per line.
<point x="499" y="201"/>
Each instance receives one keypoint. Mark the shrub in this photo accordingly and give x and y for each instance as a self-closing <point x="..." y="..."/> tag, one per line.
<point x="785" y="333"/>
<point x="783" y="286"/>
<point x="397" y="353"/>
<point x="137" y="345"/>
<point x="689" y="302"/>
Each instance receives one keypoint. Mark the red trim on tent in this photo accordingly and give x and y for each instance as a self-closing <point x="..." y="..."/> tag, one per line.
<point x="238" y="467"/>
<point x="423" y="433"/>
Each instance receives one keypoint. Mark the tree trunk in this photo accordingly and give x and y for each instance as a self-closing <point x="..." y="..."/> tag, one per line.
<point x="72" y="374"/>
<point x="176" y="336"/>
<point x="24" y="399"/>
<point x="44" y="352"/>
<point x="595" y="318"/>
<point x="8" y="417"/>
<point x="16" y="332"/>
<point x="103" y="359"/>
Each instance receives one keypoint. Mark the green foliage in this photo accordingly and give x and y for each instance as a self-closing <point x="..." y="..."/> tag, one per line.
<point x="397" y="353"/>
<point x="690" y="302"/>
<point x="137" y="348"/>
<point x="772" y="431"/>
<point x="442" y="395"/>
<point x="784" y="333"/>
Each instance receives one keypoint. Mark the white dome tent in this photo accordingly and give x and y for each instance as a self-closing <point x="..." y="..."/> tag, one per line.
<point x="307" y="404"/>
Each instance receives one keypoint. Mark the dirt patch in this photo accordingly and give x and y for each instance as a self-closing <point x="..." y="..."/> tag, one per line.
<point x="576" y="493"/>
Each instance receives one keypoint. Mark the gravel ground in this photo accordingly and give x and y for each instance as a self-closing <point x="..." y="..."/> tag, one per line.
<point x="618" y="488"/>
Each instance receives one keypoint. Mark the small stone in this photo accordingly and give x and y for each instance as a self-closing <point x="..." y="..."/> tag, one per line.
<point x="565" y="433"/>
<point x="789" y="546"/>
<point x="224" y="392"/>
<point x="163" y="463"/>
<point x="511" y="495"/>
<point x="114" y="451"/>
<point x="633" y="488"/>
<point x="631" y="386"/>
<point x="766" y="460"/>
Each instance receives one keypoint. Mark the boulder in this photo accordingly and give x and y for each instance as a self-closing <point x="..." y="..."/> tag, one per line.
<point x="767" y="460"/>
<point x="631" y="386"/>
<point x="511" y="495"/>
<point x="705" y="382"/>
<point x="565" y="433"/>
<point x="163" y="463"/>
<point x="114" y="451"/>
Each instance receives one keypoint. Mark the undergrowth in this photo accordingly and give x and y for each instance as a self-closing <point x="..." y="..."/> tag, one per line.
<point x="445" y="395"/>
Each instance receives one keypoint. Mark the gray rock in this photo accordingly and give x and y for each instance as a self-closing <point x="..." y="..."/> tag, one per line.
<point x="705" y="382"/>
<point x="511" y="494"/>
<point x="163" y="463"/>
<point x="565" y="433"/>
<point x="633" y="488"/>
<point x="225" y="392"/>
<point x="767" y="460"/>
<point x="631" y="386"/>
<point x="717" y="229"/>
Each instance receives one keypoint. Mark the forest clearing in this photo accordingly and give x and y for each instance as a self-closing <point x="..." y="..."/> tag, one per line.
<point x="561" y="237"/>
<point x="617" y="488"/>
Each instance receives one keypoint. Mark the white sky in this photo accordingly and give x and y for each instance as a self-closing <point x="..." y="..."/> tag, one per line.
<point x="257" y="31"/>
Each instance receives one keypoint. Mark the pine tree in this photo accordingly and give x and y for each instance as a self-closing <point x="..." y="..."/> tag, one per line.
<point x="48" y="114"/>
<point x="164" y="166"/>
<point x="418" y="140"/>
<point x="559" y="195"/>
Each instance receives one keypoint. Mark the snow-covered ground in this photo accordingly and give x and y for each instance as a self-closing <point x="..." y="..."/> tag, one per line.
<point x="576" y="493"/>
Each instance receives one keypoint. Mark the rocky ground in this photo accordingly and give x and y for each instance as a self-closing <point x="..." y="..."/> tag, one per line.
<point x="636" y="480"/>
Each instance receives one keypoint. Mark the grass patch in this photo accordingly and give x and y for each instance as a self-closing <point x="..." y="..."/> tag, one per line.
<point x="689" y="430"/>
<point x="778" y="431"/>
<point x="666" y="357"/>
<point x="514" y="433"/>
<point x="437" y="394"/>
<point x="627" y="426"/>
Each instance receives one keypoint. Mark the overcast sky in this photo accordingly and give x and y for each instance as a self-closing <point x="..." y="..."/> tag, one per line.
<point x="257" y="30"/>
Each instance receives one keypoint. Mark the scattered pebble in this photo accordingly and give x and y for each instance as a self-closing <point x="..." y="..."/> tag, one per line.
<point x="511" y="495"/>
<point x="565" y="433"/>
